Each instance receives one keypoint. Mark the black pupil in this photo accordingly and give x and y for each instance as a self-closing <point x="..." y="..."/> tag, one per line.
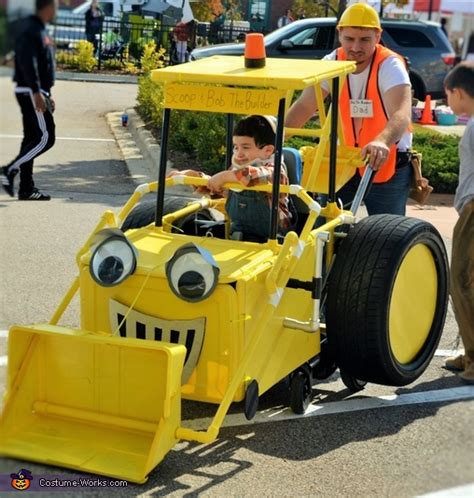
<point x="191" y="284"/>
<point x="110" y="269"/>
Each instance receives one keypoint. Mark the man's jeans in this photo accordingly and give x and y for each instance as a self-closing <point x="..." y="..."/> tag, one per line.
<point x="382" y="198"/>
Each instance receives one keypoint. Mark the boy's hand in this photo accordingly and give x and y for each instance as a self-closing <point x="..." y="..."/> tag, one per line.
<point x="185" y="172"/>
<point x="191" y="172"/>
<point x="219" y="179"/>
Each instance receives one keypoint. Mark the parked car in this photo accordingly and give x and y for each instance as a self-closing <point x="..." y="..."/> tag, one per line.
<point x="422" y="43"/>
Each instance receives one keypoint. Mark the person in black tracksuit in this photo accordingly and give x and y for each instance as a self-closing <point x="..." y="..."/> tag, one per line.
<point x="34" y="76"/>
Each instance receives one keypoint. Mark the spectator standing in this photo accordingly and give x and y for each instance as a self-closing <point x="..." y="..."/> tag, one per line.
<point x="285" y="19"/>
<point x="94" y="20"/>
<point x="459" y="84"/>
<point x="181" y="37"/>
<point x="380" y="123"/>
<point x="443" y="21"/>
<point x="34" y="76"/>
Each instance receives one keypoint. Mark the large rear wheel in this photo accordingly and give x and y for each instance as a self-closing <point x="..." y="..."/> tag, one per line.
<point x="387" y="299"/>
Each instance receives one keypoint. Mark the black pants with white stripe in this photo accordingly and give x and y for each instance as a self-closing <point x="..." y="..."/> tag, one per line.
<point x="38" y="137"/>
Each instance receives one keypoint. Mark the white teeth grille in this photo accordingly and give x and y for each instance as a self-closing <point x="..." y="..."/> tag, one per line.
<point x="189" y="333"/>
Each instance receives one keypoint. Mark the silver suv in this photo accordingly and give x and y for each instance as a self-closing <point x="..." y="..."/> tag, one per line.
<point x="422" y="43"/>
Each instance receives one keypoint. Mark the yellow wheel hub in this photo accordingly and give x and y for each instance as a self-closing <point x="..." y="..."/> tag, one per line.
<point x="413" y="303"/>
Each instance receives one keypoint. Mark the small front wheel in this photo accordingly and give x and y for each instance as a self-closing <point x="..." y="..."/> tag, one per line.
<point x="300" y="392"/>
<point x="352" y="383"/>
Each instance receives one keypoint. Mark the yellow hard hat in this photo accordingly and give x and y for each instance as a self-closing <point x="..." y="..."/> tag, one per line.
<point x="360" y="15"/>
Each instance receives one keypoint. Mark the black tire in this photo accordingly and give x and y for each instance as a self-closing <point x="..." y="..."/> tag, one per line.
<point x="354" y="385"/>
<point x="144" y="213"/>
<point x="387" y="299"/>
<point x="300" y="392"/>
<point x="324" y="368"/>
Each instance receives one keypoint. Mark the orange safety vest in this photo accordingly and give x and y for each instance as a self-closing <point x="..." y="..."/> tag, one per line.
<point x="370" y="127"/>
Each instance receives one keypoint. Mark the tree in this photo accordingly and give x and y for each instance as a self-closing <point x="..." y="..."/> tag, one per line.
<point x="206" y="10"/>
<point x="318" y="8"/>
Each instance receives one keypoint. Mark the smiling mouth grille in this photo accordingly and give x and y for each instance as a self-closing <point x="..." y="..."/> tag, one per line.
<point x="189" y="333"/>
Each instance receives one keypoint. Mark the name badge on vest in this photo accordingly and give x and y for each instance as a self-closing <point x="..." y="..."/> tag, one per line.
<point x="361" y="108"/>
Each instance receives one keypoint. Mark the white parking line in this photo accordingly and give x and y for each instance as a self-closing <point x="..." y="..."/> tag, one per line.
<point x="345" y="406"/>
<point x="76" y="139"/>
<point x="447" y="352"/>
<point x="457" y="492"/>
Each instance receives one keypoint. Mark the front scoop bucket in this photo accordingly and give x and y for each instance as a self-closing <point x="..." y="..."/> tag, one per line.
<point x="95" y="403"/>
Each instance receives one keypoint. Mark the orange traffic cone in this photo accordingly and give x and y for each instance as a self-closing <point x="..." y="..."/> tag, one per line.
<point x="427" y="116"/>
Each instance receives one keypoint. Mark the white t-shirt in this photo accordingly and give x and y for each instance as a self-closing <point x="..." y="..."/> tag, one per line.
<point x="392" y="72"/>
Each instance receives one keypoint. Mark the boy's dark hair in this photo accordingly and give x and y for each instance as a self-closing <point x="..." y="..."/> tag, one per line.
<point x="256" y="127"/>
<point x="41" y="4"/>
<point x="461" y="76"/>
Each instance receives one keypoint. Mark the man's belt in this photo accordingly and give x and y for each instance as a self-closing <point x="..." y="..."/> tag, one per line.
<point x="403" y="158"/>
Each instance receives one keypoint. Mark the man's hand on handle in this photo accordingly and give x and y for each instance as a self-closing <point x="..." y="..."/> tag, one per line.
<point x="375" y="153"/>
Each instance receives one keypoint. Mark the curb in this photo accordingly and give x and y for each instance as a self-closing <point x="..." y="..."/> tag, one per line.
<point x="146" y="142"/>
<point x="139" y="167"/>
<point x="92" y="77"/>
<point x="96" y="77"/>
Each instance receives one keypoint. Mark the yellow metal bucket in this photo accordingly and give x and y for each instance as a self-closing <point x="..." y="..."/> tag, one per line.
<point x="95" y="403"/>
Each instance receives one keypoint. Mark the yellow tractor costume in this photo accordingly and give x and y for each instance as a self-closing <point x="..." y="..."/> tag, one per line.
<point x="168" y="314"/>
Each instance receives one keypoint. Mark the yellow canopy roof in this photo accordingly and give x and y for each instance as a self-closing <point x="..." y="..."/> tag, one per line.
<point x="284" y="74"/>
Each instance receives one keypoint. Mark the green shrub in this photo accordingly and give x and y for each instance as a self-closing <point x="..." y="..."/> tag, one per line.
<point x="138" y="48"/>
<point x="150" y="94"/>
<point x="86" y="61"/>
<point x="440" y="159"/>
<point x="151" y="58"/>
<point x="81" y="58"/>
<point x="66" y="58"/>
<point x="202" y="135"/>
<point x="298" y="142"/>
<point x="112" y="64"/>
<point x="150" y="101"/>
<point x="130" y="68"/>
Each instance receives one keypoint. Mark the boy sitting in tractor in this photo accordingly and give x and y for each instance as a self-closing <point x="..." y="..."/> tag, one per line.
<point x="252" y="164"/>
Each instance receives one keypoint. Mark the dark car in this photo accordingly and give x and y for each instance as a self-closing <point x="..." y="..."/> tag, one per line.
<point x="422" y="43"/>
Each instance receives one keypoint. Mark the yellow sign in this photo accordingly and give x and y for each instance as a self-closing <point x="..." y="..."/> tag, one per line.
<point x="222" y="99"/>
